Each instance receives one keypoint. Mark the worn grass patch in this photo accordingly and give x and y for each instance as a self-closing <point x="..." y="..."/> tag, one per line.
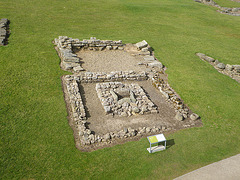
<point x="36" y="140"/>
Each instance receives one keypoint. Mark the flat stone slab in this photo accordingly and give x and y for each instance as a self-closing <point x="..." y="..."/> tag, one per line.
<point x="141" y="44"/>
<point x="156" y="148"/>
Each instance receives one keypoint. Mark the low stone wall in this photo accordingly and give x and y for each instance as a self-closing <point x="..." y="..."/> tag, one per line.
<point x="75" y="99"/>
<point x="66" y="47"/>
<point x="89" y="77"/>
<point x="90" y="44"/>
<point x="182" y="111"/>
<point x="4" y="31"/>
<point x="69" y="60"/>
<point x="230" y="11"/>
<point x="232" y="71"/>
<point x="120" y="99"/>
<point x="78" y="114"/>
<point x="116" y="97"/>
<point x="224" y="10"/>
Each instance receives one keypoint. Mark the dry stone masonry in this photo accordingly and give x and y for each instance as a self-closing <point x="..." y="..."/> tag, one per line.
<point x="118" y="92"/>
<point x="224" y="10"/>
<point x="89" y="77"/>
<point x="4" y="31"/>
<point x="182" y="111"/>
<point x="66" y="47"/>
<point x="232" y="71"/>
<point x="124" y="99"/>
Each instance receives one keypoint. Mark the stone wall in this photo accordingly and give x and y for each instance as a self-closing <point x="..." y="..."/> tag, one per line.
<point x="182" y="111"/>
<point x="4" y="31"/>
<point x="230" y="11"/>
<point x="75" y="99"/>
<point x="232" y="71"/>
<point x="116" y="97"/>
<point x="78" y="114"/>
<point x="120" y="99"/>
<point x="89" y="77"/>
<point x="66" y="47"/>
<point x="224" y="10"/>
<point x="90" y="44"/>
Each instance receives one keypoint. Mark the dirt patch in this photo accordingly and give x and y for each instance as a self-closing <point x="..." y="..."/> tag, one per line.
<point x="107" y="61"/>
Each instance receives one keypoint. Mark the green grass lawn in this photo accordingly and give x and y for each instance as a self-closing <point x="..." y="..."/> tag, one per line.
<point x="36" y="140"/>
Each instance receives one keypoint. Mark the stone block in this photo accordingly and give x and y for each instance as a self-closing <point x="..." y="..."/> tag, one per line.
<point x="149" y="58"/>
<point x="141" y="44"/>
<point x="156" y="64"/>
<point x="221" y="66"/>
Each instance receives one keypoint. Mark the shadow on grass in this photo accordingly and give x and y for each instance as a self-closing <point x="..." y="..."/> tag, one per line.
<point x="170" y="143"/>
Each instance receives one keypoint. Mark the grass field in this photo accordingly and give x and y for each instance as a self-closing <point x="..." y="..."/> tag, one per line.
<point x="36" y="140"/>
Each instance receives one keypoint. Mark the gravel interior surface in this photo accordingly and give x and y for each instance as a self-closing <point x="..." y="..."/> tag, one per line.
<point x="107" y="61"/>
<point x="101" y="123"/>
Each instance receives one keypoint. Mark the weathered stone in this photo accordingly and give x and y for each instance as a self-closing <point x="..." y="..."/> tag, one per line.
<point x="194" y="116"/>
<point x="135" y="109"/>
<point x="143" y="130"/>
<point x="235" y="10"/>
<point x="107" y="137"/>
<point x="144" y="49"/>
<point x="204" y="57"/>
<point x="179" y="116"/>
<point x="229" y="67"/>
<point x="216" y="62"/>
<point x="109" y="48"/>
<point x="107" y="109"/>
<point x="124" y="114"/>
<point x="149" y="58"/>
<point x="125" y="130"/>
<point x="221" y="66"/>
<point x="236" y="68"/>
<point x="132" y="97"/>
<point x="115" y="47"/>
<point x="115" y="96"/>
<point x="144" y="108"/>
<point x="156" y="64"/>
<point x="209" y="59"/>
<point x="78" y="68"/>
<point x="141" y="44"/>
<point x="184" y="116"/>
<point x="148" y="130"/>
<point x="154" y="111"/>
<point x="101" y="48"/>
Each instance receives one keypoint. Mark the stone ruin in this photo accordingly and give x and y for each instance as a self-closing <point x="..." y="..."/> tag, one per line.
<point x="66" y="47"/>
<point x="4" y="31"/>
<point x="232" y="71"/>
<point x="121" y="95"/>
<point x="124" y="99"/>
<point x="224" y="10"/>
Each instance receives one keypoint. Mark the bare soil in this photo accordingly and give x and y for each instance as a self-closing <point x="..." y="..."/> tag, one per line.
<point x="108" y="61"/>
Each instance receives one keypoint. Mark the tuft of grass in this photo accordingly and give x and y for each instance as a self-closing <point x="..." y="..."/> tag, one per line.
<point x="36" y="140"/>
